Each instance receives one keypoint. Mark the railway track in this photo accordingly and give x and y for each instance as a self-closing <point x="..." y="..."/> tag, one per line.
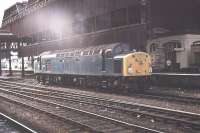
<point x="132" y="111"/>
<point x="9" y="125"/>
<point x="93" y="122"/>
<point x="161" y="96"/>
<point x="152" y="95"/>
<point x="169" y="97"/>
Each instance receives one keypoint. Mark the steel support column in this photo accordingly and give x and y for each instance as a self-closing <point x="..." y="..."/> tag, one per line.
<point x="23" y="67"/>
<point x="0" y="68"/>
<point x="32" y="62"/>
<point x="22" y="62"/>
<point x="0" y="59"/>
<point x="10" y="66"/>
<point x="10" y="61"/>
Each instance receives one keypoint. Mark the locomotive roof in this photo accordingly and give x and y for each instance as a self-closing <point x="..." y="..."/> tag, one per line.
<point x="127" y="54"/>
<point x="94" y="49"/>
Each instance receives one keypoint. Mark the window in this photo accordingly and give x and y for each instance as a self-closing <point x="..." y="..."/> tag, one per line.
<point x="34" y="38"/>
<point x="153" y="47"/>
<point x="39" y="36"/>
<point x="118" y="17"/>
<point x="77" y="27"/>
<point x="178" y="45"/>
<point x="103" y="21"/>
<point x="172" y="45"/>
<point x="197" y="58"/>
<point x="134" y="14"/>
<point x="88" y="25"/>
<point x="197" y="43"/>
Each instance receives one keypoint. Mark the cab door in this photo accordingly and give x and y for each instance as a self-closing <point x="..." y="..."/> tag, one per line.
<point x="108" y="61"/>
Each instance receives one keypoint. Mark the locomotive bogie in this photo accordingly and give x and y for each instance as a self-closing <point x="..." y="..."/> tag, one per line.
<point x="116" y="83"/>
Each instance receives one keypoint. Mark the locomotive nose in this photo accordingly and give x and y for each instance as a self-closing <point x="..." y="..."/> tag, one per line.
<point x="138" y="64"/>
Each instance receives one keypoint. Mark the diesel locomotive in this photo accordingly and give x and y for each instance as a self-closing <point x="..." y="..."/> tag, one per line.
<point x="111" y="66"/>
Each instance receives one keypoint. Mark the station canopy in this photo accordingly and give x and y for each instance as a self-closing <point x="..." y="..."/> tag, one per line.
<point x="6" y="36"/>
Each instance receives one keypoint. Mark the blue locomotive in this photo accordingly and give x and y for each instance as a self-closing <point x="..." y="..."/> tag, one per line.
<point x="111" y="65"/>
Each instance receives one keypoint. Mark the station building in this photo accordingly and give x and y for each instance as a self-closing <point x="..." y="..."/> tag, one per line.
<point x="175" y="32"/>
<point x="177" y="52"/>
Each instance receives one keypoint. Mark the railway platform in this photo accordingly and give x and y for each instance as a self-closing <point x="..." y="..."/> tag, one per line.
<point x="176" y="79"/>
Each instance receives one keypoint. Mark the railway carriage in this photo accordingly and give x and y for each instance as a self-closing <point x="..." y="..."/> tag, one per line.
<point x="110" y="66"/>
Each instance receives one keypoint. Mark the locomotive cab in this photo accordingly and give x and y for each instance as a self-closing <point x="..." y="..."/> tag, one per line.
<point x="133" y="64"/>
<point x="137" y="64"/>
<point x="135" y="70"/>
